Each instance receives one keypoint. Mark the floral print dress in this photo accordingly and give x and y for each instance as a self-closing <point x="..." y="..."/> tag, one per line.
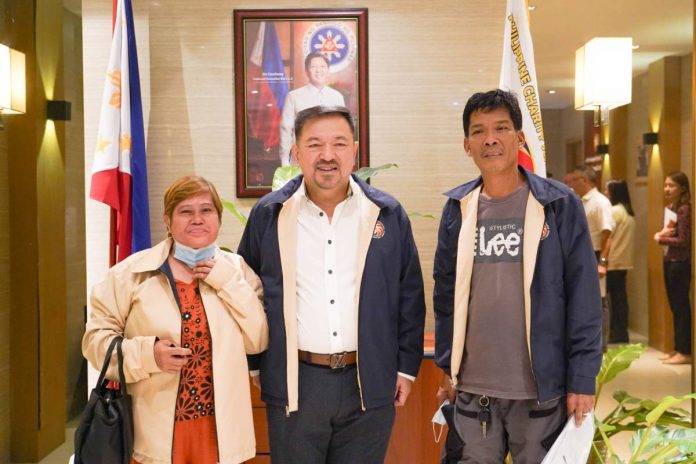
<point x="195" y="437"/>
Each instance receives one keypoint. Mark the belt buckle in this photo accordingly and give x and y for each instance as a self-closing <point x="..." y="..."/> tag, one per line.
<point x="338" y="360"/>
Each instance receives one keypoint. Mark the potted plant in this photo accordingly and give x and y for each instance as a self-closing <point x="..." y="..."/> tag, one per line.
<point x="661" y="431"/>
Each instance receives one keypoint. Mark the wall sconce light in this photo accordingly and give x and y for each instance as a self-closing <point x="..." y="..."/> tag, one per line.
<point x="602" y="149"/>
<point x="603" y="72"/>
<point x="650" y="138"/>
<point x="58" y="110"/>
<point x="12" y="81"/>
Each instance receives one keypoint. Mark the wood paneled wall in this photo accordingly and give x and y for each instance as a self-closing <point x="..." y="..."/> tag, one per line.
<point x="664" y="114"/>
<point x="36" y="206"/>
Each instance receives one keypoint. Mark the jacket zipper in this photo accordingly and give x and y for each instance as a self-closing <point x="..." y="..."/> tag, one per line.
<point x="357" y="373"/>
<point x="167" y="272"/>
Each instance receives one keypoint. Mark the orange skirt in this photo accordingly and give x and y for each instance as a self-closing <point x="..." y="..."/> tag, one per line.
<point x="195" y="442"/>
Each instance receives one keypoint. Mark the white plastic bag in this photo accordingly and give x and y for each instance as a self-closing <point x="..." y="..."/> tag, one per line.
<point x="573" y="444"/>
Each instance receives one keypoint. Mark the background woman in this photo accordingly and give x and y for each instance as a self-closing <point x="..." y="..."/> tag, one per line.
<point x="189" y="313"/>
<point x="619" y="254"/>
<point x="677" y="264"/>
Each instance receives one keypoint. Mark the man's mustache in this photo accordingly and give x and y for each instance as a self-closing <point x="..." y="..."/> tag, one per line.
<point x="326" y="164"/>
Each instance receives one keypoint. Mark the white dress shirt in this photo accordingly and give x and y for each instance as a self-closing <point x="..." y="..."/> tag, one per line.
<point x="296" y="101"/>
<point x="598" y="212"/>
<point x="327" y="318"/>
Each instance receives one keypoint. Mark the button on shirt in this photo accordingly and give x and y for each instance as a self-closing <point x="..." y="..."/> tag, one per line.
<point x="327" y="317"/>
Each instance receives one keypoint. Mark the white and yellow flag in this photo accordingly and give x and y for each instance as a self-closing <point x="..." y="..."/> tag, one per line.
<point x="518" y="74"/>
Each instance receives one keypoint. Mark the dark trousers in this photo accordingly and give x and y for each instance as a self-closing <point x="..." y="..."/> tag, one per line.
<point x="523" y="427"/>
<point x="618" y="309"/>
<point x="677" y="282"/>
<point x="330" y="426"/>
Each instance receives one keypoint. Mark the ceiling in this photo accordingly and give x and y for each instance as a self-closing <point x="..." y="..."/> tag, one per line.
<point x="559" y="27"/>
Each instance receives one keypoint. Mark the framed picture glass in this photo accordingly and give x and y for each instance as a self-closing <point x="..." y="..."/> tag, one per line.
<point x="286" y="61"/>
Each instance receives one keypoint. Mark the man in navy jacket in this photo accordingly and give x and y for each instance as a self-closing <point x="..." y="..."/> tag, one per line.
<point x="517" y="303"/>
<point x="344" y="298"/>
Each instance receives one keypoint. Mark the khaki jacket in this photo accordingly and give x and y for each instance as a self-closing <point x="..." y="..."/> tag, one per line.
<point x="136" y="300"/>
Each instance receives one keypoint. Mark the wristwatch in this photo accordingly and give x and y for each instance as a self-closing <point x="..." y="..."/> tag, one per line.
<point x="603" y="261"/>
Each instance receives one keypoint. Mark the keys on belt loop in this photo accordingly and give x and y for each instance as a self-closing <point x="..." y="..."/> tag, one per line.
<point x="484" y="414"/>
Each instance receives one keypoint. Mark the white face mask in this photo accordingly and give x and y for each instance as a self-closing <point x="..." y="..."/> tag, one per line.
<point x="439" y="419"/>
<point x="191" y="256"/>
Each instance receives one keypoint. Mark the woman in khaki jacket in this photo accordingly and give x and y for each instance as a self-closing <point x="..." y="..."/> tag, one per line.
<point x="188" y="312"/>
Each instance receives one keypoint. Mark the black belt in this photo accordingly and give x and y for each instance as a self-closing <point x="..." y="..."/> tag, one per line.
<point x="334" y="361"/>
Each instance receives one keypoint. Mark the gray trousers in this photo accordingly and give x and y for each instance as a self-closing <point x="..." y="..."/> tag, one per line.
<point x="330" y="426"/>
<point x="524" y="428"/>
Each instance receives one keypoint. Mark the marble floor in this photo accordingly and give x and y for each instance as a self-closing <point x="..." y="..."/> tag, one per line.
<point x="646" y="378"/>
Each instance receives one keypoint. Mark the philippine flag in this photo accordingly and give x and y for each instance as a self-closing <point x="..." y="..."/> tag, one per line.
<point x="119" y="173"/>
<point x="518" y="74"/>
<point x="267" y="87"/>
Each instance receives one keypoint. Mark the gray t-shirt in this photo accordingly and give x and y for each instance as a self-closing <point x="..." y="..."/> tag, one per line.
<point x="496" y="361"/>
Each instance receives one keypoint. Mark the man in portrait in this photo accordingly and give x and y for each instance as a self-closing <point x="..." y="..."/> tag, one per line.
<point x="314" y="93"/>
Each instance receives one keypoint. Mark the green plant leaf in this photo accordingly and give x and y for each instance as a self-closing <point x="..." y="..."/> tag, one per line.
<point x="685" y="439"/>
<point x="229" y="206"/>
<point x="624" y="398"/>
<point x="416" y="214"/>
<point x="649" y="443"/>
<point x="604" y="427"/>
<point x="366" y="172"/>
<point x="666" y="403"/>
<point x="283" y="175"/>
<point x="617" y="360"/>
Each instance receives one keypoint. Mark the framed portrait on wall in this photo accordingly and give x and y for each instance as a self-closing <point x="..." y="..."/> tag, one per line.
<point x="286" y="61"/>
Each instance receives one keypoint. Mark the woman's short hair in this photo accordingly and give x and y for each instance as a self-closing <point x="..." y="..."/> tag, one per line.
<point x="187" y="187"/>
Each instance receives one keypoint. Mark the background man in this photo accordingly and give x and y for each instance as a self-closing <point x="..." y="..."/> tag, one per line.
<point x="599" y="220"/>
<point x="345" y="303"/>
<point x="314" y="93"/>
<point x="518" y="321"/>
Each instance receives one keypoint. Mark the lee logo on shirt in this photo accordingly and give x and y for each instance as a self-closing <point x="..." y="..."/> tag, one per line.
<point x="498" y="240"/>
<point x="379" y="230"/>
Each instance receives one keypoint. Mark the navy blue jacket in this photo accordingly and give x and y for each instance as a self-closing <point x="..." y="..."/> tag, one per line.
<point x="391" y="311"/>
<point x="564" y="335"/>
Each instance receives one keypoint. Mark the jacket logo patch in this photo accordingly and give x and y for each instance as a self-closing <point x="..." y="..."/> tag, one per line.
<point x="379" y="230"/>
<point x="545" y="231"/>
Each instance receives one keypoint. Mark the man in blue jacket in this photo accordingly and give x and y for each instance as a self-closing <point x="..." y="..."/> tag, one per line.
<point x="517" y="303"/>
<point x="344" y="298"/>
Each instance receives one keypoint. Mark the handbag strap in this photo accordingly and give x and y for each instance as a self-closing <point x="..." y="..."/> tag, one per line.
<point x="116" y="341"/>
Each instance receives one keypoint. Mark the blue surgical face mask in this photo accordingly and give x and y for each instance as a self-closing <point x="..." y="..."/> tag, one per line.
<point x="191" y="256"/>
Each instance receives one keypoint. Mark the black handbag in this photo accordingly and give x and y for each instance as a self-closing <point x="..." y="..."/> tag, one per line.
<point x="105" y="433"/>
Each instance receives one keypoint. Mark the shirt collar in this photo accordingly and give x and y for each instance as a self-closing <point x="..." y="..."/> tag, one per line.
<point x="315" y="89"/>
<point x="589" y="194"/>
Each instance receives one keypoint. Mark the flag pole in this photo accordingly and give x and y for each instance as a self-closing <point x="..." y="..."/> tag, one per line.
<point x="113" y="218"/>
